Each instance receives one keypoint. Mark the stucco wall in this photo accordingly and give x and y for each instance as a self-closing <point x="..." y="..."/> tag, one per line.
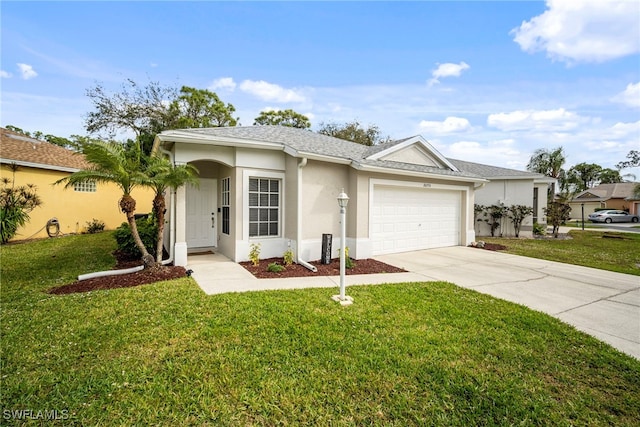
<point x="72" y="209"/>
<point x="508" y="193"/>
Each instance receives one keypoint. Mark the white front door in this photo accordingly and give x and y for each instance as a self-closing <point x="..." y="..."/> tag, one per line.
<point x="202" y="215"/>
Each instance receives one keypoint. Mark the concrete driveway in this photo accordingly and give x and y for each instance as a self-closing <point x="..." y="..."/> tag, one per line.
<point x="603" y="304"/>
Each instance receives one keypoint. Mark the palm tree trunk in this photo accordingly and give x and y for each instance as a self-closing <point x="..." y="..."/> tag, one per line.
<point x="128" y="206"/>
<point x="159" y="207"/>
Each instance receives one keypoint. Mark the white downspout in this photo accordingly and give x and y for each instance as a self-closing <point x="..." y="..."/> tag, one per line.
<point x="299" y="260"/>
<point x="172" y="219"/>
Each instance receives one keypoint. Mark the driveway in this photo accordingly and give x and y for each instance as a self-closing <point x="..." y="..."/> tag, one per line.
<point x="603" y="304"/>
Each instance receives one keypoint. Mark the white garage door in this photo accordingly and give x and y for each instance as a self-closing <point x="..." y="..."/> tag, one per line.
<point x="407" y="219"/>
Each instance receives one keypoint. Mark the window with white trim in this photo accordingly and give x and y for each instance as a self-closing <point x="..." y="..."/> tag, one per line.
<point x="85" y="187"/>
<point x="226" y="203"/>
<point x="264" y="207"/>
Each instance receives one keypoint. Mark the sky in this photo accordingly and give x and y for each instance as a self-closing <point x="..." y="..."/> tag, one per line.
<point x="486" y="82"/>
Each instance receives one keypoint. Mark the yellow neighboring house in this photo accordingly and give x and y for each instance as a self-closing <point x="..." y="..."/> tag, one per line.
<point x="41" y="164"/>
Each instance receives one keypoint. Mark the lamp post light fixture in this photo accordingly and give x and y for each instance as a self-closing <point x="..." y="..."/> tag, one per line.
<point x="343" y="200"/>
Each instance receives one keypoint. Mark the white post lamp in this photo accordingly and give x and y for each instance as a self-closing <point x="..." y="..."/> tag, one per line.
<point x="343" y="200"/>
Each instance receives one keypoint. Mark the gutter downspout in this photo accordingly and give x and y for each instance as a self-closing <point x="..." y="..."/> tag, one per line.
<point x="172" y="219"/>
<point x="299" y="260"/>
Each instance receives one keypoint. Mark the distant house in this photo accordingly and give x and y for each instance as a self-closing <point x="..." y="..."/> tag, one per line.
<point x="508" y="187"/>
<point x="277" y="187"/>
<point x="41" y="164"/>
<point x="605" y="196"/>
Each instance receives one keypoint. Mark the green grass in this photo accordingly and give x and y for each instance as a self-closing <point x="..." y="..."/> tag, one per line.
<point x="619" y="252"/>
<point x="404" y="354"/>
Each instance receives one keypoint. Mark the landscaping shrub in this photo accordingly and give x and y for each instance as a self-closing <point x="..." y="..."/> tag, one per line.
<point x="148" y="233"/>
<point x="95" y="226"/>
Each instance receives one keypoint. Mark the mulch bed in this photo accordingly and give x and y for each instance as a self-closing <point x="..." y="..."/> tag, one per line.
<point x="491" y="247"/>
<point x="123" y="280"/>
<point x="361" y="266"/>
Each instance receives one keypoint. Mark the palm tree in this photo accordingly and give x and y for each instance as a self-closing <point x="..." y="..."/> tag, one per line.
<point x="160" y="175"/>
<point x="549" y="163"/>
<point x="111" y="163"/>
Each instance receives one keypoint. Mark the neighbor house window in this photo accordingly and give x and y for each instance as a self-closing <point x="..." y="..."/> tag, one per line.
<point x="264" y="207"/>
<point x="226" y="197"/>
<point x="85" y="187"/>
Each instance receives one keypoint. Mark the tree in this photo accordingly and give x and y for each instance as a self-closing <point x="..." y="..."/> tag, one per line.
<point x="199" y="108"/>
<point x="16" y="203"/>
<point x="517" y="214"/>
<point x="141" y="110"/>
<point x="160" y="175"/>
<point x="147" y="111"/>
<point x="634" y="160"/>
<point x="549" y="163"/>
<point x="353" y="132"/>
<point x="283" y="118"/>
<point x="112" y="163"/>
<point x="557" y="212"/>
<point x="495" y="214"/>
<point x="610" y="176"/>
<point x="584" y="175"/>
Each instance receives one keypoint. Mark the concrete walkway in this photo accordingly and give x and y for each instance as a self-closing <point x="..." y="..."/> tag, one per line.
<point x="603" y="304"/>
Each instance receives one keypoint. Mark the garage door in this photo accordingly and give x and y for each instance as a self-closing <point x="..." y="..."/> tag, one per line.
<point x="407" y="219"/>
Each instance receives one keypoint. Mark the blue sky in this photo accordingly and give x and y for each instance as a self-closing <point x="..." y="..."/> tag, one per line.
<point x="488" y="82"/>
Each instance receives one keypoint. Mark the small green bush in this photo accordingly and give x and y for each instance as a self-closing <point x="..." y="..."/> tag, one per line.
<point x="254" y="254"/>
<point x="274" y="267"/>
<point x="539" y="229"/>
<point x="95" y="226"/>
<point x="288" y="257"/>
<point x="148" y="233"/>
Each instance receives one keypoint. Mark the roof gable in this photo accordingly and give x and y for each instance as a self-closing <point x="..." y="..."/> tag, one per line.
<point x="414" y="150"/>
<point x="30" y="152"/>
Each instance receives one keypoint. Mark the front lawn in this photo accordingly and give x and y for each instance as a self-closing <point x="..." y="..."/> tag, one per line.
<point x="598" y="249"/>
<point x="406" y="354"/>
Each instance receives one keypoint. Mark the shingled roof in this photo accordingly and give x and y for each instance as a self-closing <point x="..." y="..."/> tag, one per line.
<point x="494" y="172"/>
<point x="25" y="151"/>
<point x="620" y="190"/>
<point x="302" y="143"/>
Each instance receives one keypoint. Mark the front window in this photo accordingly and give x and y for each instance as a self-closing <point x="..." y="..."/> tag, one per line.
<point x="85" y="187"/>
<point x="264" y="207"/>
<point x="226" y="203"/>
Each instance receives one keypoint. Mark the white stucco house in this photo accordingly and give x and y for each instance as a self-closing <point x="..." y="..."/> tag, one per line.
<point x="509" y="187"/>
<point x="278" y="186"/>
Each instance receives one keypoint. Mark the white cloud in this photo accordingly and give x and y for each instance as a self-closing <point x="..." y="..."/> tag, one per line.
<point x="447" y="70"/>
<point x="26" y="71"/>
<point x="500" y="152"/>
<point x="623" y="130"/>
<point x="630" y="96"/>
<point x="582" y="31"/>
<point x="546" y="120"/>
<point x="223" y="83"/>
<point x="270" y="92"/>
<point x="5" y="75"/>
<point x="449" y="125"/>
